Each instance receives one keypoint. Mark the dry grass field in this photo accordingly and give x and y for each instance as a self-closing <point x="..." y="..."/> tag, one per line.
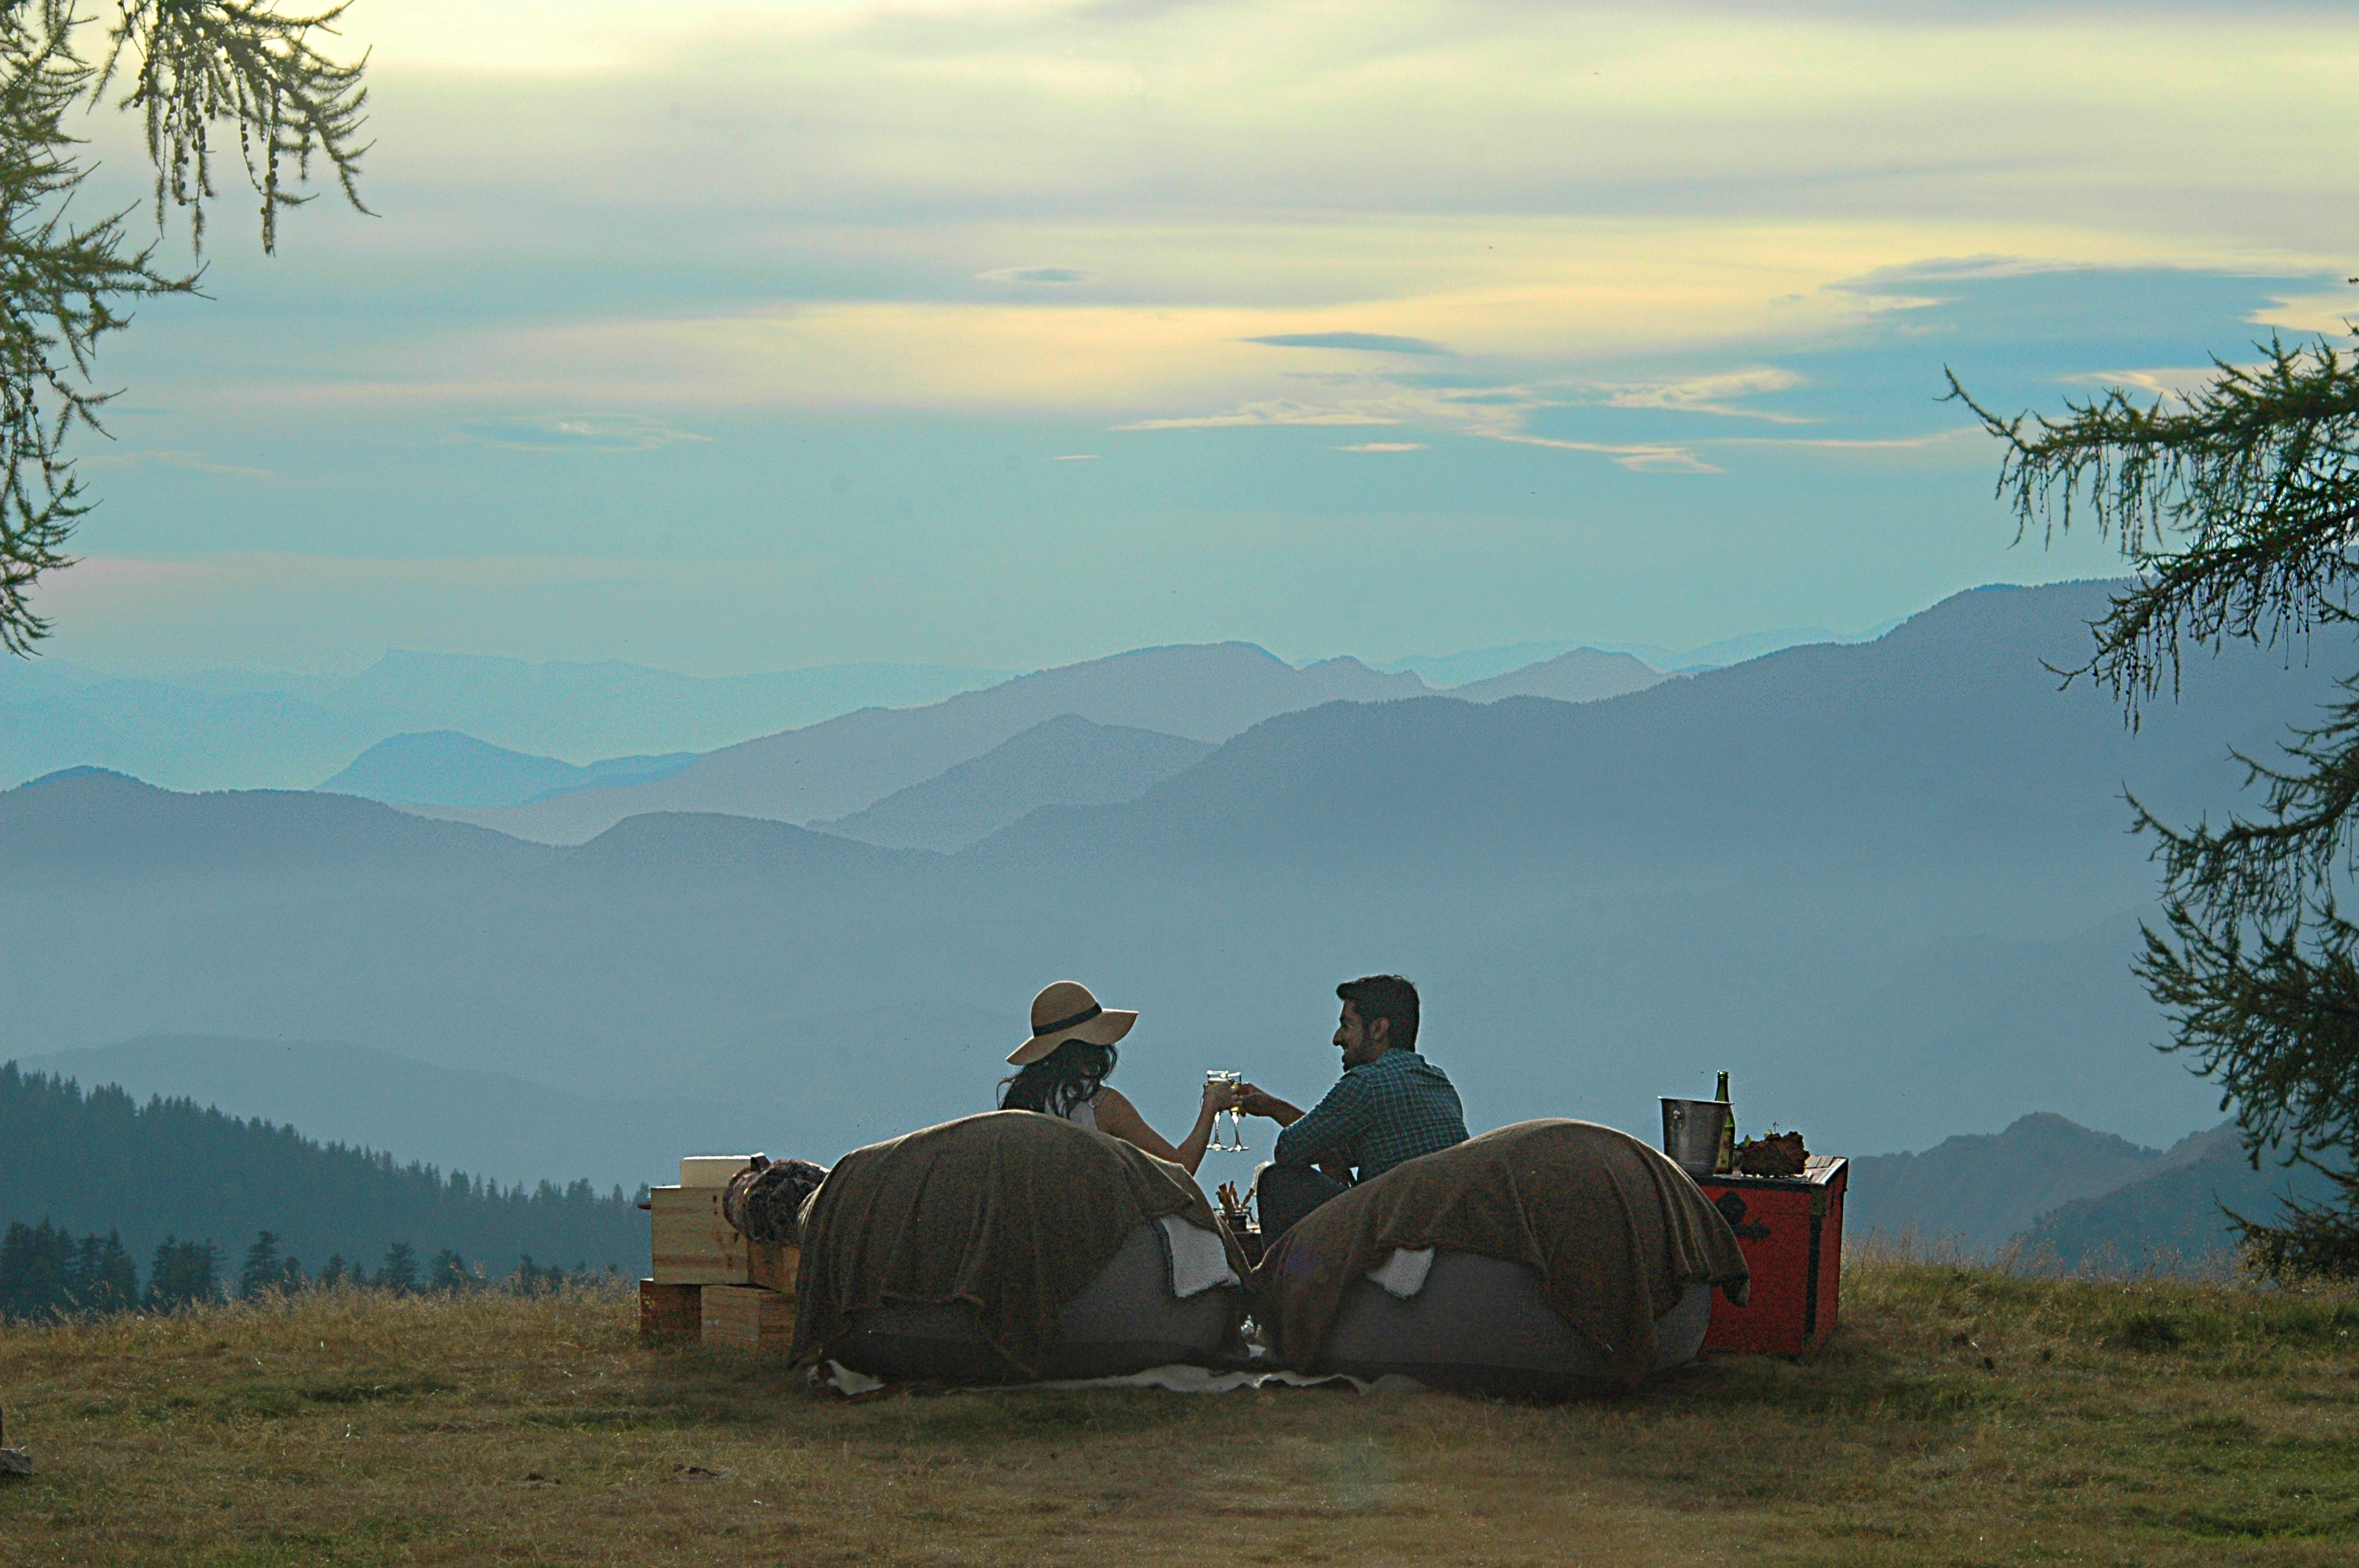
<point x="1959" y="1417"/>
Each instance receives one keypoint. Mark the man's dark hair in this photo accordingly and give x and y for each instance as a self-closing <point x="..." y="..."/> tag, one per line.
<point x="1388" y="996"/>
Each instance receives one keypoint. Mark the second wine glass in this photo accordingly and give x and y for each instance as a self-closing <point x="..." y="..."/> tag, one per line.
<point x="1236" y="1118"/>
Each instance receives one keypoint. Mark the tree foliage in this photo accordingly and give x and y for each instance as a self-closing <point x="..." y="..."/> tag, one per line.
<point x="2237" y="503"/>
<point x="47" y="1275"/>
<point x="170" y="1169"/>
<point x="197" y="69"/>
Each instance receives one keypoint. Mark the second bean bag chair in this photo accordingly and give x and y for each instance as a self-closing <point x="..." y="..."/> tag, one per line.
<point x="1533" y="1260"/>
<point x="1484" y="1325"/>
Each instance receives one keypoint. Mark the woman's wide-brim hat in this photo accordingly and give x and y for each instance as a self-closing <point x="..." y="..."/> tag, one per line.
<point x="1067" y="1011"/>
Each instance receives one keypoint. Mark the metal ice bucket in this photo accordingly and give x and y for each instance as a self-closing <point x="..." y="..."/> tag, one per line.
<point x="1692" y="1129"/>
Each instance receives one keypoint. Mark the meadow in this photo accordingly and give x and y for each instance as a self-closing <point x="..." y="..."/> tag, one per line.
<point x="1958" y="1416"/>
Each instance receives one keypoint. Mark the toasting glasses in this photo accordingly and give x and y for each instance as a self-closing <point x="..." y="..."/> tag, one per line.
<point x="1236" y="1118"/>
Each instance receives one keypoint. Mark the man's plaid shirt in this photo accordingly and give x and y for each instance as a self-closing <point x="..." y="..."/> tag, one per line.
<point x="1380" y="1113"/>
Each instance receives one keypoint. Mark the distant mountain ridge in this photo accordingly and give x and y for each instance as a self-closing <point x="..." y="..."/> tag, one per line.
<point x="2177" y="1216"/>
<point x="1980" y="1190"/>
<point x="1205" y="693"/>
<point x="1065" y="761"/>
<point x="443" y="767"/>
<point x="1451" y="672"/>
<point x="240" y="729"/>
<point x="1583" y="674"/>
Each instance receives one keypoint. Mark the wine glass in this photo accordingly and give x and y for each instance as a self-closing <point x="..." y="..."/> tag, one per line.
<point x="1236" y="1118"/>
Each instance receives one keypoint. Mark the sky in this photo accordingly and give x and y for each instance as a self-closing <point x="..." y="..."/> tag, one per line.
<point x="749" y="337"/>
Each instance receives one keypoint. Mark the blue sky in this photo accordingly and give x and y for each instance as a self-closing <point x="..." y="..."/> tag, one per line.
<point x="748" y="336"/>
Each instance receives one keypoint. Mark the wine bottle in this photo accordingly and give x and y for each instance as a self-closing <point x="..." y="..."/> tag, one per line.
<point x="1727" y="1157"/>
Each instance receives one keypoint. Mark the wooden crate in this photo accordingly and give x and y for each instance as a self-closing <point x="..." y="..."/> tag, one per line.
<point x="670" y="1312"/>
<point x="693" y="1244"/>
<point x="748" y="1317"/>
<point x="775" y="1268"/>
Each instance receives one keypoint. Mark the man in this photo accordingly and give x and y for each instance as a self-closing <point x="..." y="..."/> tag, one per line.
<point x="1391" y="1105"/>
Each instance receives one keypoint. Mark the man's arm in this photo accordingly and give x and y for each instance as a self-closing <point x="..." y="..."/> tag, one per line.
<point x="1255" y="1101"/>
<point x="1329" y="1131"/>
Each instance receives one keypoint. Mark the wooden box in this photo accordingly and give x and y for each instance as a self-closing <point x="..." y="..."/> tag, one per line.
<point x="1792" y="1231"/>
<point x="693" y="1244"/>
<point x="670" y="1312"/>
<point x="775" y="1268"/>
<point x="748" y="1317"/>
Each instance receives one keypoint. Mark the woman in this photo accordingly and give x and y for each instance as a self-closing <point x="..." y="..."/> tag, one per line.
<point x="1063" y="1069"/>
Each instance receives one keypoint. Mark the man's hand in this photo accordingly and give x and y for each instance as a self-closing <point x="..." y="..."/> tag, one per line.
<point x="1254" y="1100"/>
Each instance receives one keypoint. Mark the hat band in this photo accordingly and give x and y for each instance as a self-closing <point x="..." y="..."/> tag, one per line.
<point x="1081" y="1017"/>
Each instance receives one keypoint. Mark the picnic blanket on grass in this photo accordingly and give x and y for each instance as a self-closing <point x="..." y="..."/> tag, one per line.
<point x="1614" y="1229"/>
<point x="1011" y="1212"/>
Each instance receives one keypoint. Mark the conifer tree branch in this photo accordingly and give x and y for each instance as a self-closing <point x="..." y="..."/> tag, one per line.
<point x="193" y="67"/>
<point x="2237" y="506"/>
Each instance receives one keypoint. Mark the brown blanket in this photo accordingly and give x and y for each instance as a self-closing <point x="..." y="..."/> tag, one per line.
<point x="1012" y="1212"/>
<point x="1616" y="1231"/>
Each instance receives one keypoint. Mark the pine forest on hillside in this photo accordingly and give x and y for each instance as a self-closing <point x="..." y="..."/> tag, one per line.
<point x="114" y="1203"/>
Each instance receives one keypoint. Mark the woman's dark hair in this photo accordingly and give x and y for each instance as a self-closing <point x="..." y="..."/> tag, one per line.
<point x="1060" y="1080"/>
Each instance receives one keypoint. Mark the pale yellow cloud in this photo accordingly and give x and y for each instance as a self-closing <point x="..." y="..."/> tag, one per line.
<point x="2038" y="115"/>
<point x="1547" y="298"/>
<point x="1081" y="209"/>
<point x="1709" y="394"/>
<point x="1645" y="457"/>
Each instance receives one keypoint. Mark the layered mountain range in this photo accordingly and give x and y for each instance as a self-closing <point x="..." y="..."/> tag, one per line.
<point x="1887" y="886"/>
<point x="216" y="729"/>
<point x="466" y="732"/>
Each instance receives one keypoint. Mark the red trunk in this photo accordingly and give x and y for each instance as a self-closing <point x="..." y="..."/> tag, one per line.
<point x="1792" y="1231"/>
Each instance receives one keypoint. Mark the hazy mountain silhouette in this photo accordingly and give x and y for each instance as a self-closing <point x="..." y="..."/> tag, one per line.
<point x="1066" y="761"/>
<point x="1887" y="886"/>
<point x="2174" y="1215"/>
<point x="1583" y="674"/>
<point x="443" y="767"/>
<point x="240" y="729"/>
<point x="1452" y="671"/>
<point x="1203" y="693"/>
<point x="1979" y="1190"/>
<point x="488" y="1123"/>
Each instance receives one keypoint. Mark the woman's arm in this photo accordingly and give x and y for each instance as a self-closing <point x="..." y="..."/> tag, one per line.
<point x="1118" y="1115"/>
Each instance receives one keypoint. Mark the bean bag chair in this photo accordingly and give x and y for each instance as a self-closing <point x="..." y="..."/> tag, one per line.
<point x="1008" y="1247"/>
<point x="1129" y="1318"/>
<point x="1482" y="1325"/>
<point x="1528" y="1261"/>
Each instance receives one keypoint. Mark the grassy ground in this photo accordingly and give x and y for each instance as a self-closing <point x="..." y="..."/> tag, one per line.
<point x="1959" y="1417"/>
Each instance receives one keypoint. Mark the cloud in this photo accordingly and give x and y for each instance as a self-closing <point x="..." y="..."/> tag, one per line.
<point x="197" y="462"/>
<point x="1645" y="457"/>
<point x="1075" y="457"/>
<point x="1703" y="394"/>
<point x="1928" y="442"/>
<point x="1034" y="274"/>
<point x="1271" y="413"/>
<point x="1371" y="342"/>
<point x="2161" y="381"/>
<point x="1383" y="447"/>
<point x="579" y="432"/>
<point x="2327" y="314"/>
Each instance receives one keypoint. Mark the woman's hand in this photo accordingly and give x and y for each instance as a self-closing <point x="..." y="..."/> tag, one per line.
<point x="1219" y="1096"/>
